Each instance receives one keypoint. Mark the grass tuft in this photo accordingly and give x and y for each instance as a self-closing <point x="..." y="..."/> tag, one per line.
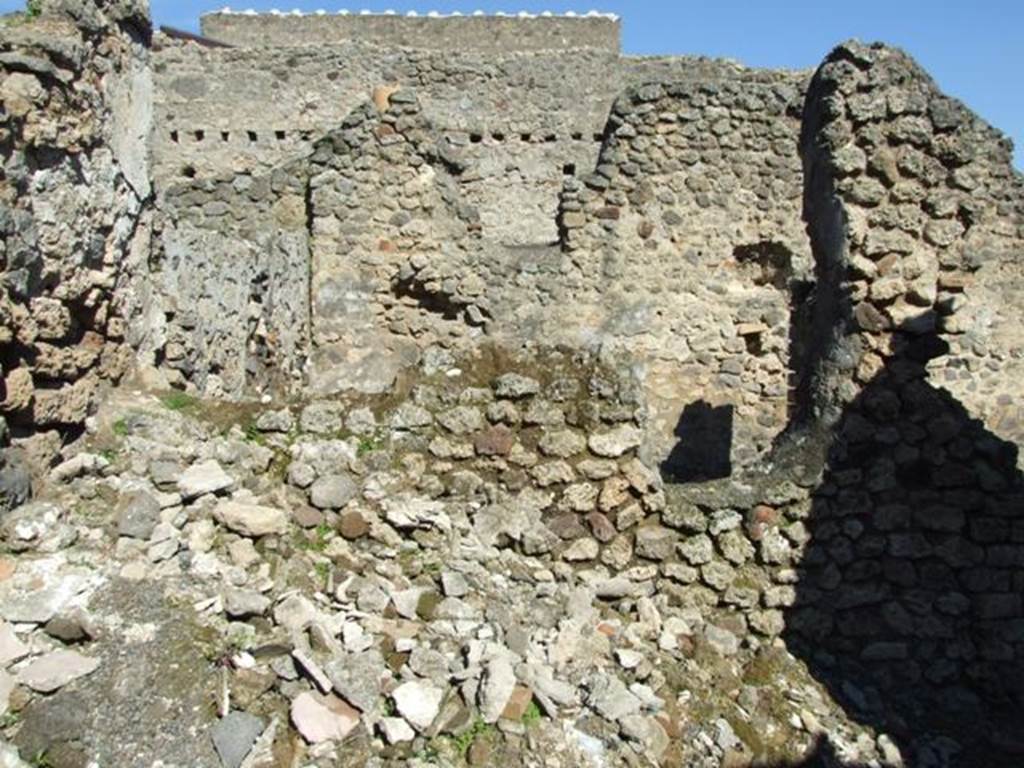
<point x="532" y="715"/>
<point x="179" y="401"/>
<point x="465" y="739"/>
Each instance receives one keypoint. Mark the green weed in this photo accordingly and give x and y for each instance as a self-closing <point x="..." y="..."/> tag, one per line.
<point x="9" y="719"/>
<point x="465" y="739"/>
<point x="323" y="533"/>
<point x="178" y="401"/>
<point x="532" y="715"/>
<point x="253" y="435"/>
<point x="368" y="444"/>
<point x="316" y="543"/>
<point x="323" y="572"/>
<point x="429" y="754"/>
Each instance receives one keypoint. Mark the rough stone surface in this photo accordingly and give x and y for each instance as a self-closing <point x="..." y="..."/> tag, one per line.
<point x="323" y="717"/>
<point x="496" y="689"/>
<point x="56" y="669"/>
<point x="655" y="543"/>
<point x="234" y="736"/>
<point x="241" y="603"/>
<point x="616" y="442"/>
<point x="138" y="515"/>
<point x="251" y="519"/>
<point x="396" y="730"/>
<point x="332" y="492"/>
<point x="11" y="647"/>
<point x="418" y="702"/>
<point x="39" y="526"/>
<point x="205" y="477"/>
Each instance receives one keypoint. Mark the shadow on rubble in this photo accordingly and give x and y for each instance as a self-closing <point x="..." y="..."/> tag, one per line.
<point x="822" y="754"/>
<point x="908" y="606"/>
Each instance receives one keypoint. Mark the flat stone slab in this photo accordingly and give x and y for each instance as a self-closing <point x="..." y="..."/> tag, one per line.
<point x="55" y="670"/>
<point x="496" y="688"/>
<point x="11" y="648"/>
<point x="323" y="718"/>
<point x="42" y="588"/>
<point x="205" y="477"/>
<point x="233" y="737"/>
<point x="418" y="702"/>
<point x="396" y="730"/>
<point x="251" y="519"/>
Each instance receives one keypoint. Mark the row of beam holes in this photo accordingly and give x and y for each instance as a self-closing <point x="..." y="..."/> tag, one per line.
<point x="568" y="169"/>
<point x="253" y="137"/>
<point x="474" y="138"/>
<point x="189" y="171"/>
<point x="550" y="138"/>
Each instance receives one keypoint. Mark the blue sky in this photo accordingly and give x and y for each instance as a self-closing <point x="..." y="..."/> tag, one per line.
<point x="975" y="50"/>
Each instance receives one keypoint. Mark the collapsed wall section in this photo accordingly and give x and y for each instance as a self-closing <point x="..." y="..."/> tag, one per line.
<point x="73" y="210"/>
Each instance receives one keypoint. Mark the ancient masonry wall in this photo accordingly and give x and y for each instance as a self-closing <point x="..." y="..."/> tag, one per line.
<point x="883" y="538"/>
<point x="918" y="214"/>
<point x="827" y="274"/>
<point x="495" y="35"/>
<point x="388" y="228"/>
<point x="73" y="206"/>
<point x="507" y="160"/>
<point x="903" y="522"/>
<point x="236" y="319"/>
<point x="917" y="521"/>
<point x="692" y="221"/>
<point x="524" y="121"/>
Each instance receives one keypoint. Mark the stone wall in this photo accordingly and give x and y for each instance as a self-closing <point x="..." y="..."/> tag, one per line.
<point x="918" y="215"/>
<point x="386" y="224"/>
<point x="693" y="213"/>
<point x="229" y="309"/>
<point x="73" y="209"/>
<point x="494" y="35"/>
<point x="797" y="299"/>
<point x="214" y="114"/>
<point x="885" y="525"/>
<point x="514" y="156"/>
<point x="722" y="325"/>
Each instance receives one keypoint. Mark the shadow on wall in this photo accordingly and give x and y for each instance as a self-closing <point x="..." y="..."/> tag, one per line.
<point x="909" y="602"/>
<point x="705" y="444"/>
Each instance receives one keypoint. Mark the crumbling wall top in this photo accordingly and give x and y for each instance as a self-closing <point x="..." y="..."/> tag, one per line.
<point x="499" y="33"/>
